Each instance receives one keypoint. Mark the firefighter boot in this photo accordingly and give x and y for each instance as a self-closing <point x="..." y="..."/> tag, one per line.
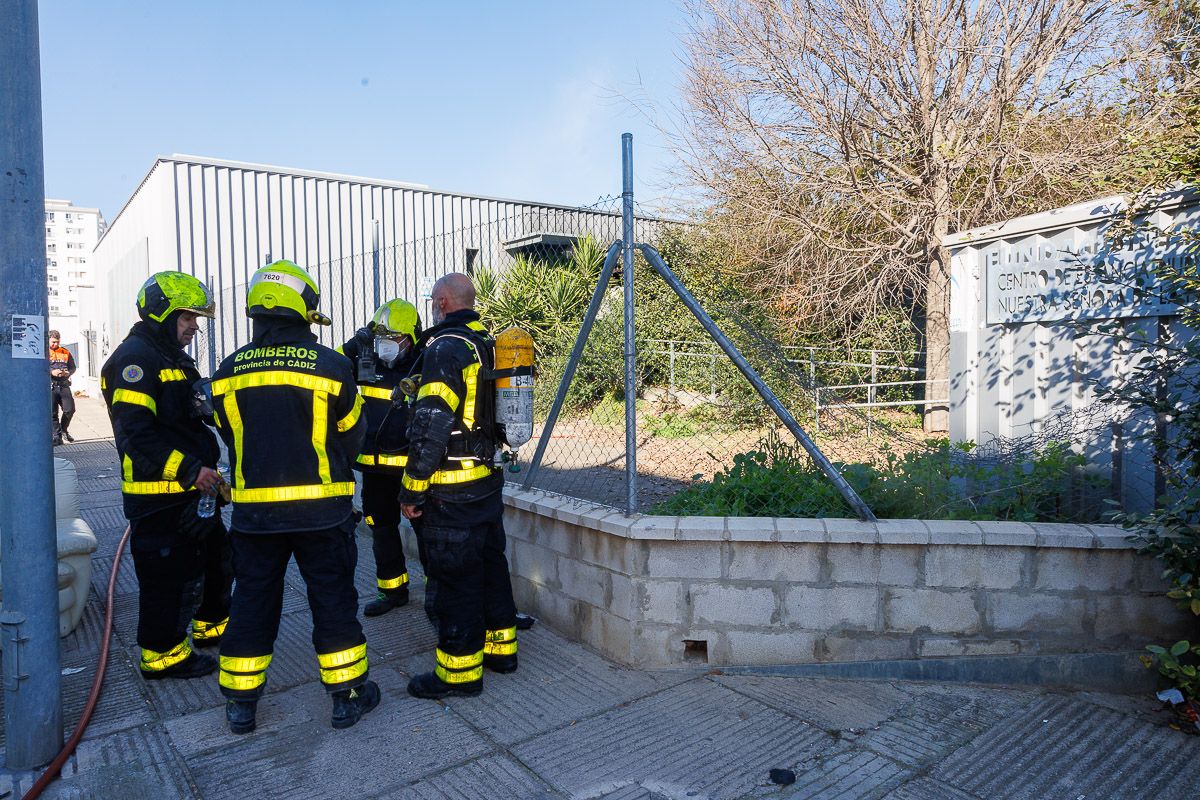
<point x="386" y="600"/>
<point x="429" y="686"/>
<point x="196" y="665"/>
<point x="240" y="715"/>
<point x="351" y="704"/>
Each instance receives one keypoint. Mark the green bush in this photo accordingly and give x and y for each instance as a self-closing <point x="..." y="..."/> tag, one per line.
<point x="943" y="482"/>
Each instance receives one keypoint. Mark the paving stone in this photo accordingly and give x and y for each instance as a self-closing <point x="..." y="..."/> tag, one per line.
<point x="401" y="633"/>
<point x="1063" y="747"/>
<point x="105" y="518"/>
<point x="557" y="683"/>
<point x="133" y="764"/>
<point x="81" y="646"/>
<point x="490" y="776"/>
<point x="302" y="752"/>
<point x="928" y="789"/>
<point x="938" y="721"/>
<point x="849" y="775"/>
<point x="697" y="736"/>
<point x="127" y="582"/>
<point x="827" y="704"/>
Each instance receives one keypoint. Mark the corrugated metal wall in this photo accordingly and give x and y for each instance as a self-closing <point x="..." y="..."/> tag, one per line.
<point x="1027" y="346"/>
<point x="222" y="220"/>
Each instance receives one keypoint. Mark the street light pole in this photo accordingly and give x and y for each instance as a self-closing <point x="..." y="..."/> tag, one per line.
<point x="28" y="542"/>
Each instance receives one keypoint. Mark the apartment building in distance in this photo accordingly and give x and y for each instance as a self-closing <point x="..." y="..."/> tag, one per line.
<point x="71" y="235"/>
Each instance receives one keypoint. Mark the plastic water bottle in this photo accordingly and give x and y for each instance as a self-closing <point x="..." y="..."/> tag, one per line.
<point x="208" y="502"/>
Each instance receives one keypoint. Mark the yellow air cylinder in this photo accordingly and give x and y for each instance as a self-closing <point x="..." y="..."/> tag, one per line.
<point x="514" y="385"/>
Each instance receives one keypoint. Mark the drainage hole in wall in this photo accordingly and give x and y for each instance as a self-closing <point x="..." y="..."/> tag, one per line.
<point x="695" y="650"/>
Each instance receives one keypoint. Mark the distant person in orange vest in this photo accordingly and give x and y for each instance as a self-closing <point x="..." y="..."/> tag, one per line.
<point x="62" y="367"/>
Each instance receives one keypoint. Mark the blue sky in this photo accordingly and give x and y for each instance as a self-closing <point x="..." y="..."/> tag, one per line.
<point x="516" y="99"/>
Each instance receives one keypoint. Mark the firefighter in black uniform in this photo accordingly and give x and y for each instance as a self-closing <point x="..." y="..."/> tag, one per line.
<point x="452" y="493"/>
<point x="289" y="411"/>
<point x="160" y="416"/>
<point x="383" y="354"/>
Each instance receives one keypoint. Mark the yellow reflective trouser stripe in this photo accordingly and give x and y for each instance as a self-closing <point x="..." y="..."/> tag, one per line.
<point x="155" y="662"/>
<point x="369" y="520"/>
<point x="319" y="430"/>
<point x="501" y="635"/>
<point x="245" y="663"/>
<point x="470" y="378"/>
<point x="239" y="431"/>
<point x="171" y="468"/>
<point x="448" y="661"/>
<point x="281" y="494"/>
<point x="383" y="461"/>
<point x="333" y="676"/>
<point x="242" y="683"/>
<point x="439" y="389"/>
<point x="208" y="630"/>
<point x="413" y="484"/>
<point x="347" y="422"/>
<point x="502" y="642"/>
<point x="135" y="398"/>
<point x="392" y="583"/>
<point x="451" y="676"/>
<point x="276" y="378"/>
<point x="342" y="657"/>
<point x="167" y="375"/>
<point x="376" y="392"/>
<point x="460" y="475"/>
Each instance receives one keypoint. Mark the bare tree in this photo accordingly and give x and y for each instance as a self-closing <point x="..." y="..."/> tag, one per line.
<point x="842" y="140"/>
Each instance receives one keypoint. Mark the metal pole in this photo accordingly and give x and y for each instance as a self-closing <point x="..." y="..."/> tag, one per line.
<point x="764" y="391"/>
<point x="29" y="566"/>
<point x="627" y="271"/>
<point x="610" y="261"/>
<point x="871" y="390"/>
<point x="375" y="262"/>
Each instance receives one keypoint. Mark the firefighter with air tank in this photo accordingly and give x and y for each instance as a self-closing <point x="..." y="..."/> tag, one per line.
<point x="452" y="494"/>
<point x="383" y="354"/>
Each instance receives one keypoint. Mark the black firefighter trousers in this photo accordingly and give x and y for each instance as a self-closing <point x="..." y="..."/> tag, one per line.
<point x="326" y="559"/>
<point x="381" y="507"/>
<point x="462" y="547"/>
<point x="184" y="574"/>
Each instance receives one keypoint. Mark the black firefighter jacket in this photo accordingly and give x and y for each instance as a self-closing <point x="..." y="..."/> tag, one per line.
<point x="385" y="449"/>
<point x="290" y="414"/>
<point x="162" y="440"/>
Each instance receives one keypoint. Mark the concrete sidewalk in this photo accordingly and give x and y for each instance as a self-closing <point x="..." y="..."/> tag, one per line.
<point x="570" y="724"/>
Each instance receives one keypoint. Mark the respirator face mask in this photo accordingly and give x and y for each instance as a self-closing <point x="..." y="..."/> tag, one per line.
<point x="388" y="350"/>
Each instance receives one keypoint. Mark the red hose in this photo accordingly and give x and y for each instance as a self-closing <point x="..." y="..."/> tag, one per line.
<point x="97" y="683"/>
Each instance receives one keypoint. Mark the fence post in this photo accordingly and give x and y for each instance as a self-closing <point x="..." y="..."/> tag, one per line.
<point x="627" y="275"/>
<point x="871" y="390"/>
<point x="375" y="263"/>
<point x="29" y="623"/>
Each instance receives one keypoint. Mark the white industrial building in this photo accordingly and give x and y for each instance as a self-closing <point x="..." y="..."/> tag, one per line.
<point x="221" y="220"/>
<point x="71" y="235"/>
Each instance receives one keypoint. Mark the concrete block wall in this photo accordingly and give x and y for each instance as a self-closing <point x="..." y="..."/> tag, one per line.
<point x="661" y="591"/>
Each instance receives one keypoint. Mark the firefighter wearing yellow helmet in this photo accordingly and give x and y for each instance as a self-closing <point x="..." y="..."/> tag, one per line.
<point x="290" y="413"/>
<point x="168" y="453"/>
<point x="383" y="354"/>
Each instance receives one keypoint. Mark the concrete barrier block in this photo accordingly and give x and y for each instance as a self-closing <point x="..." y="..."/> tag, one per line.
<point x="558" y="536"/>
<point x="1140" y="620"/>
<point x="605" y="550"/>
<point x="1148" y="575"/>
<point x="727" y="605"/>
<point x="1031" y="614"/>
<point x="903" y="531"/>
<point x="770" y="647"/>
<point x="800" y="531"/>
<point x="852" y="531"/>
<point x="961" y="567"/>
<point x="622" y="591"/>
<point x="584" y="582"/>
<point x="887" y="565"/>
<point x="770" y="561"/>
<point x="954" y="532"/>
<point x="932" y="610"/>
<point x="830" y="609"/>
<point x="750" y="529"/>
<point x="1003" y="532"/>
<point x="608" y="633"/>
<point x="653" y="527"/>
<point x="873" y="648"/>
<point x="701" y="529"/>
<point x="661" y="601"/>
<point x="539" y="564"/>
<point x="1064" y="535"/>
<point x="942" y="647"/>
<point x="1097" y="570"/>
<point x="655" y="645"/>
<point x="683" y="560"/>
